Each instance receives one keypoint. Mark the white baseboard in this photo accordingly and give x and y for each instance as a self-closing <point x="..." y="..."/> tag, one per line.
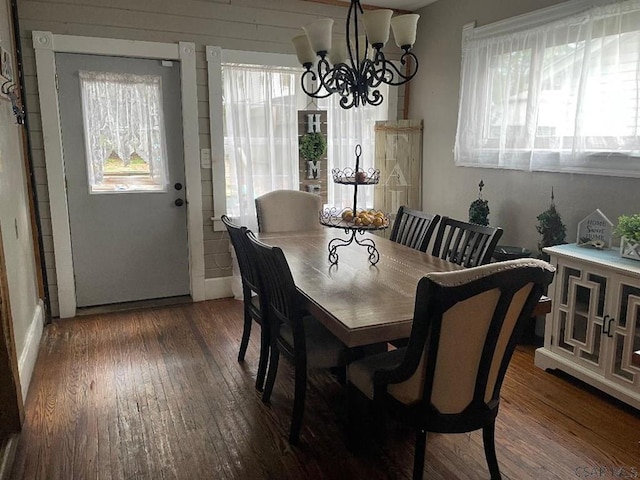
<point x="215" y="288"/>
<point x="7" y="456"/>
<point x="29" y="354"/>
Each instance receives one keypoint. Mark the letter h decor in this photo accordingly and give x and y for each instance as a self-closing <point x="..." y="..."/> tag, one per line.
<point x="313" y="174"/>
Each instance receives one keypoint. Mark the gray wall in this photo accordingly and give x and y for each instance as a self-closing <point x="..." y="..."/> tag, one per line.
<point x="252" y="25"/>
<point x="515" y="198"/>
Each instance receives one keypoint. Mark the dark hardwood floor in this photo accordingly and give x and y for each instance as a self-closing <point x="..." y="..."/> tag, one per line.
<point x="158" y="393"/>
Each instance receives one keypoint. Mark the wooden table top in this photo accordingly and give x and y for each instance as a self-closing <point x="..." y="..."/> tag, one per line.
<point x="359" y="303"/>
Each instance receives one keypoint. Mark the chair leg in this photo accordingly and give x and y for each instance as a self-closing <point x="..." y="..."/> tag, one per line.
<point x="246" y="332"/>
<point x="488" y="436"/>
<point x="418" y="456"/>
<point x="264" y="357"/>
<point x="355" y="419"/>
<point x="274" y="358"/>
<point x="300" y="392"/>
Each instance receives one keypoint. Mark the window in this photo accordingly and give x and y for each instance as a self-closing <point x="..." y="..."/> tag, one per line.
<point x="560" y="96"/>
<point x="124" y="132"/>
<point x="260" y="122"/>
<point x="260" y="104"/>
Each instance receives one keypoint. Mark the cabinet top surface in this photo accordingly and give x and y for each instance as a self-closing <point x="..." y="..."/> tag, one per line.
<point x="609" y="257"/>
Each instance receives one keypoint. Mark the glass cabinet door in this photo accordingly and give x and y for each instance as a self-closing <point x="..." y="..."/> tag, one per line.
<point x="580" y="314"/>
<point x="623" y="331"/>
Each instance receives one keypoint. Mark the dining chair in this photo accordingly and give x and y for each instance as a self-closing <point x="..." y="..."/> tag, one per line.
<point x="254" y="304"/>
<point x="466" y="244"/>
<point x="288" y="210"/>
<point x="413" y="228"/>
<point x="295" y="334"/>
<point x="448" y="379"/>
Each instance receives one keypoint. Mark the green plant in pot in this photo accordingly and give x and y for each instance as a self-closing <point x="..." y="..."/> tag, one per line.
<point x="479" y="208"/>
<point x="550" y="226"/>
<point x="628" y="229"/>
<point x="312" y="147"/>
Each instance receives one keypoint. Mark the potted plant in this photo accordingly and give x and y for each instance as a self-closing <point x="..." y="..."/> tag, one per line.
<point x="479" y="208"/>
<point x="551" y="228"/>
<point x="628" y="229"/>
<point x="312" y="147"/>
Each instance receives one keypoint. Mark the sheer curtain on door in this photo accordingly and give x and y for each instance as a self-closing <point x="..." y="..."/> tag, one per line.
<point x="123" y="117"/>
<point x="260" y="119"/>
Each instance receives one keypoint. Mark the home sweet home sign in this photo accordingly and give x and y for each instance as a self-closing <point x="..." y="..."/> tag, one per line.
<point x="595" y="230"/>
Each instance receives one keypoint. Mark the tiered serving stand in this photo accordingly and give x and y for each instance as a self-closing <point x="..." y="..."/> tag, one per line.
<point x="335" y="218"/>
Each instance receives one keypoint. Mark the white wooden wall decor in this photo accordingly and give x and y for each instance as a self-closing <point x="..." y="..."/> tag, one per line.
<point x="398" y="156"/>
<point x="313" y="175"/>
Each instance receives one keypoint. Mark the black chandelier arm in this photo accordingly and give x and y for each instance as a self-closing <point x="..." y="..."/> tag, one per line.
<point x="340" y="79"/>
<point x="374" y="97"/>
<point x="390" y="74"/>
<point x="310" y="74"/>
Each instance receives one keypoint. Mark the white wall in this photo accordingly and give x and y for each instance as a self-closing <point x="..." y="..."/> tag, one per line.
<point x="515" y="198"/>
<point x="15" y="223"/>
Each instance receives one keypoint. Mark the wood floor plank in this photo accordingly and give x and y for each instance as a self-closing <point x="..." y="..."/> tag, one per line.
<point x="158" y="393"/>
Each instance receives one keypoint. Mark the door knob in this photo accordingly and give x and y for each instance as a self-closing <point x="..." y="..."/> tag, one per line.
<point x="178" y="186"/>
<point x="179" y="202"/>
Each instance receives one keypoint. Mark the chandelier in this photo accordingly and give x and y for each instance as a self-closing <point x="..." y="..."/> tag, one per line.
<point x="355" y="66"/>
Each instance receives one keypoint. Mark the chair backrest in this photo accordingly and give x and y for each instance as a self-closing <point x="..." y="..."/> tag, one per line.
<point x="288" y="211"/>
<point x="279" y="287"/>
<point x="413" y="228"/>
<point x="248" y="273"/>
<point x="465" y="328"/>
<point x="464" y="243"/>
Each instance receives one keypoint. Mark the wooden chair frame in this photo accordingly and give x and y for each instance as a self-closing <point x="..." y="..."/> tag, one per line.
<point x="413" y="228"/>
<point x="255" y="307"/>
<point x="285" y="307"/>
<point x="464" y="243"/>
<point x="432" y="301"/>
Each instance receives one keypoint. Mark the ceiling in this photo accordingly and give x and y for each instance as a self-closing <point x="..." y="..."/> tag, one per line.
<point x="399" y="4"/>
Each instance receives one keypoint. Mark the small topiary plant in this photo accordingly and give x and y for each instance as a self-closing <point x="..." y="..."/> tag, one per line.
<point x="479" y="208"/>
<point x="629" y="227"/>
<point x="313" y="146"/>
<point x="551" y="228"/>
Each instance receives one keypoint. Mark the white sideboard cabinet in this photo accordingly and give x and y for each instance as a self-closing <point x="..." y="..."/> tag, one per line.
<point x="593" y="332"/>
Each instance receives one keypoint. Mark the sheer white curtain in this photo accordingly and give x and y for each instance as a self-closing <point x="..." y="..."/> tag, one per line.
<point x="559" y="97"/>
<point x="346" y="129"/>
<point x="123" y="114"/>
<point x="261" y="128"/>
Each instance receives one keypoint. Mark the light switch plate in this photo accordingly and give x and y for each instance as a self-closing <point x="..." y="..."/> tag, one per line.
<point x="205" y="157"/>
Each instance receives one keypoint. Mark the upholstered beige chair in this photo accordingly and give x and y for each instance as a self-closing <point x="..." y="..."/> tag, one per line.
<point x="447" y="380"/>
<point x="288" y="210"/>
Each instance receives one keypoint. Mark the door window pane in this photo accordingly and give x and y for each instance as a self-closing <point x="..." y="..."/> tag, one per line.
<point x="124" y="132"/>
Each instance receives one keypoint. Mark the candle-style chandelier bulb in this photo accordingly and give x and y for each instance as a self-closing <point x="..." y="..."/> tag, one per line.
<point x="355" y="66"/>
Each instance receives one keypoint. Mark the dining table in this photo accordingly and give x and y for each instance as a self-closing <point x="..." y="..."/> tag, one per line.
<point x="360" y="303"/>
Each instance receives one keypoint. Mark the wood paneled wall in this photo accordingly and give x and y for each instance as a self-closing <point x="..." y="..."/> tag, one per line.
<point x="252" y="25"/>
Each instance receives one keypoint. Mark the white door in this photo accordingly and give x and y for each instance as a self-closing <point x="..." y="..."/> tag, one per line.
<point x="125" y="184"/>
